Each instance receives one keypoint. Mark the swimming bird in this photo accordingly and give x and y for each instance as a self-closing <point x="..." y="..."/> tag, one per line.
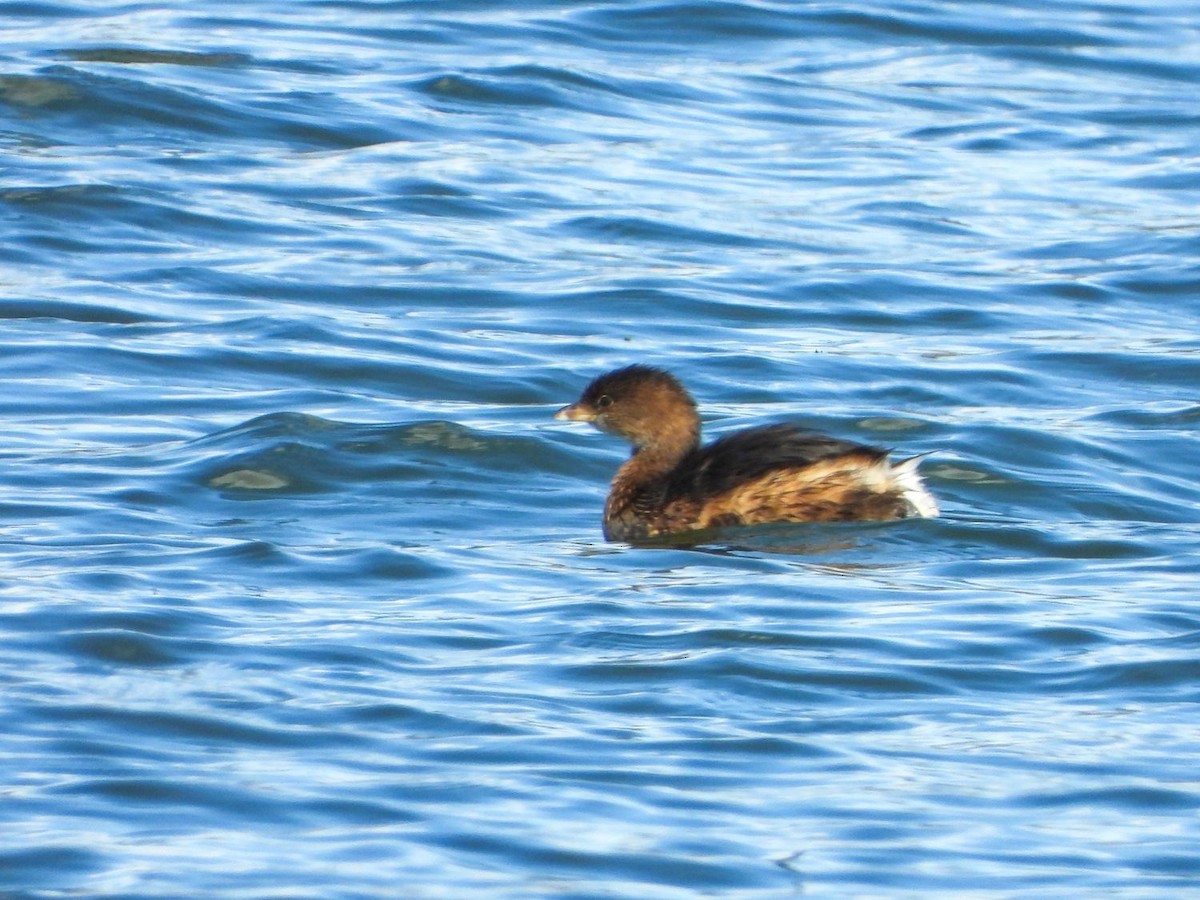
<point x="671" y="484"/>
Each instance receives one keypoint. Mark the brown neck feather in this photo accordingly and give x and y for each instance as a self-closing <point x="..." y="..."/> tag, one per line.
<point x="657" y="454"/>
<point x="651" y="461"/>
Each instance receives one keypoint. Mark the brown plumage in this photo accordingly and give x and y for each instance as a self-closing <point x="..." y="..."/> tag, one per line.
<point x="773" y="473"/>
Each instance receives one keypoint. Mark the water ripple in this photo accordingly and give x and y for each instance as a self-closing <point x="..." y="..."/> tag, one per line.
<point x="304" y="590"/>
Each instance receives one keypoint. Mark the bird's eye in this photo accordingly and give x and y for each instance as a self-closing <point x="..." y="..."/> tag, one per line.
<point x="603" y="402"/>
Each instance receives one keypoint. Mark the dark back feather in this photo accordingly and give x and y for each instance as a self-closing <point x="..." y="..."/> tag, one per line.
<point x="743" y="456"/>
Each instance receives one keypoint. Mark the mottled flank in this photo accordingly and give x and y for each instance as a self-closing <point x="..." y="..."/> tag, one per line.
<point x="775" y="473"/>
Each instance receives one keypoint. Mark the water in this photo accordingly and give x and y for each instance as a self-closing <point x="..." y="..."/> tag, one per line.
<point x="304" y="593"/>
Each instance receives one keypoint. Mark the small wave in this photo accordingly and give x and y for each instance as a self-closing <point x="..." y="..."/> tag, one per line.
<point x="142" y="56"/>
<point x="71" y="312"/>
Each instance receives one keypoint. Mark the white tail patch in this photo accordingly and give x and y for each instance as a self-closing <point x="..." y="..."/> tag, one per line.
<point x="906" y="477"/>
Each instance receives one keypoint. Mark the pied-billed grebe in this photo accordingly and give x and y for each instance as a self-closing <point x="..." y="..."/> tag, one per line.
<point x="773" y="473"/>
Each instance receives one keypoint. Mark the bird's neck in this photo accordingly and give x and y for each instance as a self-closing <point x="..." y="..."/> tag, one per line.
<point x="650" y="463"/>
<point x="658" y="455"/>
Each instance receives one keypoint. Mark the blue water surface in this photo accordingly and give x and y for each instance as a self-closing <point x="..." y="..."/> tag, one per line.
<point x="304" y="593"/>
